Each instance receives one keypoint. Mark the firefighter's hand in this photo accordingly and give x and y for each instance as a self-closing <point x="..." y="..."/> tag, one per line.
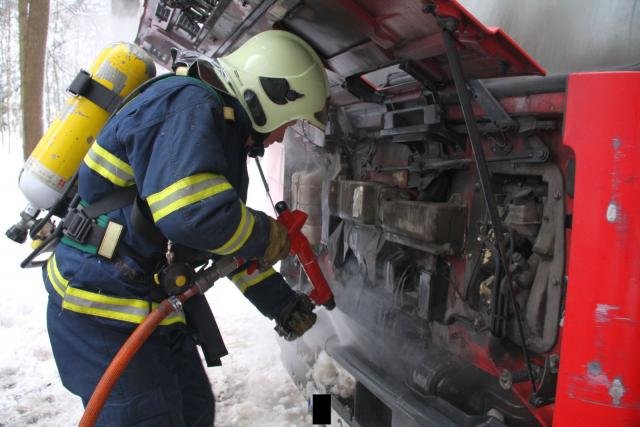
<point x="278" y="246"/>
<point x="296" y="318"/>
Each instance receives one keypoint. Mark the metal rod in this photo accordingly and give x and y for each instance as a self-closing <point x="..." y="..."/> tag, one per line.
<point x="266" y="186"/>
<point x="483" y="175"/>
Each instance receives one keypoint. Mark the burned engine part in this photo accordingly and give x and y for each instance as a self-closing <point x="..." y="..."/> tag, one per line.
<point x="305" y="188"/>
<point x="542" y="309"/>
<point x="439" y="223"/>
<point x="427" y="379"/>
<point x="525" y="200"/>
<point x="409" y="121"/>
<point x="360" y="201"/>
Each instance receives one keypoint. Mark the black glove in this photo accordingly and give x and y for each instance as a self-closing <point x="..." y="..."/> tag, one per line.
<point x="296" y="318"/>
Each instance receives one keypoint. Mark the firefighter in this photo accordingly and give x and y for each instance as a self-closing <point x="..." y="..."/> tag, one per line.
<point x="183" y="142"/>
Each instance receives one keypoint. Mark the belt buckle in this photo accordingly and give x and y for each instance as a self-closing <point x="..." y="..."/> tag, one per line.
<point x="77" y="226"/>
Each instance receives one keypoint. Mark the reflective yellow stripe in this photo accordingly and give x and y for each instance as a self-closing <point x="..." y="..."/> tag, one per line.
<point x="102" y="298"/>
<point x="240" y="236"/>
<point x="95" y="304"/>
<point x="119" y="315"/>
<point x="59" y="283"/>
<point x="109" y="166"/>
<point x="112" y="159"/>
<point x="185" y="192"/>
<point x="244" y="281"/>
<point x="94" y="311"/>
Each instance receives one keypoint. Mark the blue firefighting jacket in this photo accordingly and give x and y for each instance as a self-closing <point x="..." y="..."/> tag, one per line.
<point x="189" y="164"/>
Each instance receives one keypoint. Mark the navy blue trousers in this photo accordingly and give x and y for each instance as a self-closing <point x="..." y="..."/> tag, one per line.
<point x="164" y="385"/>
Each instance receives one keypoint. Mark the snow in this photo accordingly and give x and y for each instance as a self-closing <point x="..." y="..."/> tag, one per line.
<point x="329" y="377"/>
<point x="30" y="390"/>
<point x="252" y="388"/>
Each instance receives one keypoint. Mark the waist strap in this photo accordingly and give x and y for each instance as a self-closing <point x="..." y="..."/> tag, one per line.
<point x="95" y="304"/>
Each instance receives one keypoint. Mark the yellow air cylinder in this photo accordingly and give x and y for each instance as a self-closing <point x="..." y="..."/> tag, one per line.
<point x="120" y="67"/>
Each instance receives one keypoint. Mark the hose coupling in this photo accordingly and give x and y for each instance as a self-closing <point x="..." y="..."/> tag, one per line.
<point x="175" y="303"/>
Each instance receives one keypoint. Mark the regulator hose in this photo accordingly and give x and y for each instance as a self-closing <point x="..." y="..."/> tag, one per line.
<point x="126" y="353"/>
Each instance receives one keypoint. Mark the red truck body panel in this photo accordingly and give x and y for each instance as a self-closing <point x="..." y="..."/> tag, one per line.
<point x="599" y="377"/>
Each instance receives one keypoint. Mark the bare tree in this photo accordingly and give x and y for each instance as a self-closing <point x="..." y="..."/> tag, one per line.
<point x="33" y="21"/>
<point x="68" y="31"/>
<point x="9" y="90"/>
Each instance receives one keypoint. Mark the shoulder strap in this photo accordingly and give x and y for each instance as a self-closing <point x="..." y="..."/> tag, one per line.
<point x="115" y="200"/>
<point x="141" y="222"/>
<point x="139" y="212"/>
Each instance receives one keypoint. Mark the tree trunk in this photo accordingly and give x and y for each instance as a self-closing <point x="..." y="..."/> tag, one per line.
<point x="33" y="20"/>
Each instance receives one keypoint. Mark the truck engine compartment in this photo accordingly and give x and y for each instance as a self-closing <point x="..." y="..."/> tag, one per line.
<point x="406" y="238"/>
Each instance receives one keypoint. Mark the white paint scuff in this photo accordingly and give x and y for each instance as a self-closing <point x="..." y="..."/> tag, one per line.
<point x="602" y="312"/>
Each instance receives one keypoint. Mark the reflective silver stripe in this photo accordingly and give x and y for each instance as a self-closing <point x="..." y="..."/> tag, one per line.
<point x="108" y="165"/>
<point x="96" y="304"/>
<point x="125" y="313"/>
<point x="127" y="310"/>
<point x="240" y="236"/>
<point x="59" y="283"/>
<point x="184" y="192"/>
<point x="174" y="317"/>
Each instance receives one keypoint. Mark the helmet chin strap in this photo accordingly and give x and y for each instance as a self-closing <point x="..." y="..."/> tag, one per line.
<point x="257" y="148"/>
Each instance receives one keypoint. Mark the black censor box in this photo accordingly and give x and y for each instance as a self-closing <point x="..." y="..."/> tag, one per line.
<point x="321" y="404"/>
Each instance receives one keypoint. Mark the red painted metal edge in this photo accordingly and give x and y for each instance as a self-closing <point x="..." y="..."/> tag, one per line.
<point x="492" y="39"/>
<point x="599" y="378"/>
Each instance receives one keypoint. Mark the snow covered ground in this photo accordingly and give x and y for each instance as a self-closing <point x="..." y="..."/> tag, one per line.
<point x="252" y="388"/>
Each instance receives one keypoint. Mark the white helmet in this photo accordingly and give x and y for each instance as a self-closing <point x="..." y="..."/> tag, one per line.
<point x="277" y="77"/>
